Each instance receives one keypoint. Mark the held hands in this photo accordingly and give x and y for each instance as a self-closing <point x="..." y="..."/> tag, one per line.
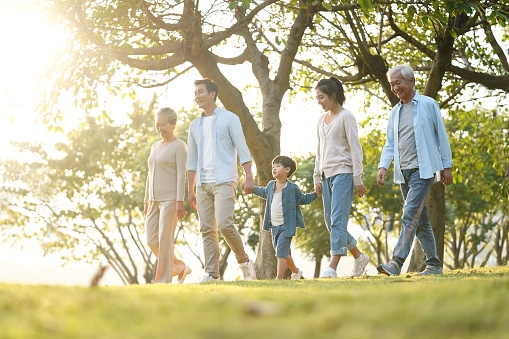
<point x="248" y="186"/>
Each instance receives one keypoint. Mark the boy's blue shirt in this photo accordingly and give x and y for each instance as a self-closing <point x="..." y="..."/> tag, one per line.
<point x="292" y="198"/>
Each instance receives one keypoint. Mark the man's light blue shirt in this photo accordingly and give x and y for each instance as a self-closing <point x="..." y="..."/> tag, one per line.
<point x="228" y="140"/>
<point x="431" y="140"/>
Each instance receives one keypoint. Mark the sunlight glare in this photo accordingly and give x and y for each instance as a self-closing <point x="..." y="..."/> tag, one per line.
<point x="28" y="44"/>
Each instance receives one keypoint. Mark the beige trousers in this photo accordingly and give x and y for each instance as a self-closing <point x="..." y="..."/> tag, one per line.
<point x="216" y="205"/>
<point x="160" y="224"/>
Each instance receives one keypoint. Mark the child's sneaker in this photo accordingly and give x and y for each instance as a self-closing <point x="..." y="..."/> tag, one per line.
<point x="360" y="264"/>
<point x="329" y="273"/>
<point x="296" y="276"/>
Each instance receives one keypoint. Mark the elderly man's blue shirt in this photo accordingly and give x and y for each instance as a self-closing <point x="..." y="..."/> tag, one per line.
<point x="431" y="141"/>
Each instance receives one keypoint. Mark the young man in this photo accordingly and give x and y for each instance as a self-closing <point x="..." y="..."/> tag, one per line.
<point x="214" y="140"/>
<point x="282" y="212"/>
<point x="417" y="140"/>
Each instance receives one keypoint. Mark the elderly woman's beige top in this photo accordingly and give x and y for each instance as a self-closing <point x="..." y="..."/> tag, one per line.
<point x="167" y="172"/>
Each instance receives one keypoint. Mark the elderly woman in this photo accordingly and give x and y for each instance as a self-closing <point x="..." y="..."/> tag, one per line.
<point x="164" y="197"/>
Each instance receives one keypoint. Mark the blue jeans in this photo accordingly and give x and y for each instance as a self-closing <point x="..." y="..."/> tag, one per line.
<point x="415" y="219"/>
<point x="337" y="194"/>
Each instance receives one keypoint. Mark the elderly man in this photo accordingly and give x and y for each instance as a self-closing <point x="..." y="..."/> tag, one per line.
<point x="418" y="143"/>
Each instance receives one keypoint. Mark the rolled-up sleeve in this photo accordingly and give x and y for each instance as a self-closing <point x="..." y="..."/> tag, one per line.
<point x="192" y="148"/>
<point x="443" y="139"/>
<point x="388" y="149"/>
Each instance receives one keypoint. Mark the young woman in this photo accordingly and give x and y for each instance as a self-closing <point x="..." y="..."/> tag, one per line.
<point x="338" y="170"/>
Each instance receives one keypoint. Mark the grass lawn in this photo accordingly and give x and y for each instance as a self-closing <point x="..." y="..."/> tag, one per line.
<point x="459" y="304"/>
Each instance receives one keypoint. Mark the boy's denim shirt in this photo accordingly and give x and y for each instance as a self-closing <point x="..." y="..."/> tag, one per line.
<point x="228" y="139"/>
<point x="431" y="140"/>
<point x="292" y="198"/>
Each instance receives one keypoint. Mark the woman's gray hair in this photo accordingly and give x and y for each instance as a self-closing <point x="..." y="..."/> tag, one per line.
<point x="406" y="71"/>
<point x="169" y="114"/>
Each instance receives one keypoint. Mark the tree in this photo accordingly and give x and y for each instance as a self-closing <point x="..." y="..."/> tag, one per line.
<point x="152" y="43"/>
<point x="477" y="202"/>
<point x="84" y="199"/>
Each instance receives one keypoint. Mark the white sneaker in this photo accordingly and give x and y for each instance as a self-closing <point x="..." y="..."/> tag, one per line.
<point x="207" y="279"/>
<point x="296" y="276"/>
<point x="360" y="264"/>
<point x="248" y="270"/>
<point x="329" y="273"/>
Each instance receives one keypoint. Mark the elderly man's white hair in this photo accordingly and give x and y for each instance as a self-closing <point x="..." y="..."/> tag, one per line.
<point x="406" y="71"/>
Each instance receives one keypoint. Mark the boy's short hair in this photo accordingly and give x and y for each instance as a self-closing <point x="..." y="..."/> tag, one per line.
<point x="286" y="162"/>
<point x="209" y="85"/>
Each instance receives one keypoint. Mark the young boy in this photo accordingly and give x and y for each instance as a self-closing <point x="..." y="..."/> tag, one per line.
<point x="282" y="212"/>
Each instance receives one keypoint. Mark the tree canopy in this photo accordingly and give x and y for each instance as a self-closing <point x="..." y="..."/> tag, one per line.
<point x="289" y="45"/>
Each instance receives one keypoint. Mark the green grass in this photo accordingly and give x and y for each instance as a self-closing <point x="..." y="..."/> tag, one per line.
<point x="458" y="304"/>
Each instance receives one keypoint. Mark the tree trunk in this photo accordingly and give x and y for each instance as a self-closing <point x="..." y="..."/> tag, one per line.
<point x="223" y="263"/>
<point x="436" y="211"/>
<point x="265" y="267"/>
<point x="318" y="267"/>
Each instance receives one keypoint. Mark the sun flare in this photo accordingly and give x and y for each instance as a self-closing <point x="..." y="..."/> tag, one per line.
<point x="29" y="42"/>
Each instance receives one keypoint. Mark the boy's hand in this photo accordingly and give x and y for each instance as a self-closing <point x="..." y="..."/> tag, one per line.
<point x="318" y="189"/>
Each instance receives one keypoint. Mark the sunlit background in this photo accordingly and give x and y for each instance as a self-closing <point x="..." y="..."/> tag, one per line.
<point x="29" y="44"/>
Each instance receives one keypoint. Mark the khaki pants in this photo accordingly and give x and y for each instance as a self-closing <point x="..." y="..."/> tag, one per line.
<point x="160" y="225"/>
<point x="216" y="204"/>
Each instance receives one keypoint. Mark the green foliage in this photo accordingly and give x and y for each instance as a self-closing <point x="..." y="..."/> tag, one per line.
<point x="117" y="45"/>
<point x="379" y="211"/>
<point x="85" y="199"/>
<point x="477" y="201"/>
<point x="469" y="304"/>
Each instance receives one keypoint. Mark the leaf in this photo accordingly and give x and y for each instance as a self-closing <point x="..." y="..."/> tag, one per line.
<point x="366" y="6"/>
<point x="411" y="13"/>
<point x="233" y="4"/>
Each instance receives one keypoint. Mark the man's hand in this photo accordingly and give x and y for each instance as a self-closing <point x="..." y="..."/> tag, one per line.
<point x="191" y="198"/>
<point x="248" y="186"/>
<point x="380" y="177"/>
<point x="447" y="176"/>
